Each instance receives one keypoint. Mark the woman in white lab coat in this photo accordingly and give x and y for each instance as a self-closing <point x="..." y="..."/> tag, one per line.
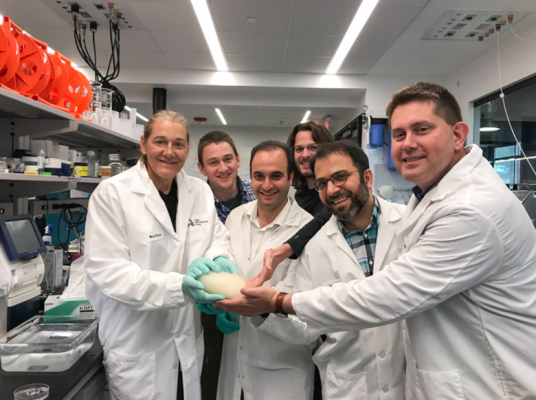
<point x="137" y="258"/>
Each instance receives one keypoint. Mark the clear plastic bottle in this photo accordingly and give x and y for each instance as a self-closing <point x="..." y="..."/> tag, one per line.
<point x="91" y="172"/>
<point x="124" y="164"/>
<point x="115" y="164"/>
<point x="41" y="161"/>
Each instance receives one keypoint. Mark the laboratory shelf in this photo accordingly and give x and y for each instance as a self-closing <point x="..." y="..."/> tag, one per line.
<point x="29" y="117"/>
<point x="20" y="185"/>
<point x="14" y="105"/>
<point x="36" y="178"/>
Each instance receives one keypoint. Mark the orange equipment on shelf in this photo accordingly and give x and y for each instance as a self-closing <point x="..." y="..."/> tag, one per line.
<point x="61" y="82"/>
<point x="32" y="69"/>
<point x="78" y="95"/>
<point x="9" y="50"/>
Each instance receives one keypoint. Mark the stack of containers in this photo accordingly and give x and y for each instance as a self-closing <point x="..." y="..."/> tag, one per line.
<point x="31" y="69"/>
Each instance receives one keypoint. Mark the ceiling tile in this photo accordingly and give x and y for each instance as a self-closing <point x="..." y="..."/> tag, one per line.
<point x="166" y="15"/>
<point x="253" y="1"/>
<point x="335" y="3"/>
<point x="313" y="45"/>
<point x="231" y="17"/>
<point x="358" y="65"/>
<point x="253" y="43"/>
<point x="306" y="64"/>
<point x="180" y="42"/>
<point x="32" y="13"/>
<point x="371" y="47"/>
<point x="403" y="3"/>
<point x="255" y="63"/>
<point x="167" y="61"/>
<point x="57" y="38"/>
<point x="389" y="21"/>
<point x="322" y="19"/>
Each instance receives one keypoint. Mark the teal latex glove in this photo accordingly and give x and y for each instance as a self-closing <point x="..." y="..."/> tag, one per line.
<point x="226" y="265"/>
<point x="208" y="309"/>
<point x="201" y="266"/>
<point x="225" y="324"/>
<point x="193" y="288"/>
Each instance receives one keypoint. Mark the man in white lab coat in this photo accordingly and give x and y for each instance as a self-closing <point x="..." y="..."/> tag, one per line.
<point x="354" y="244"/>
<point x="465" y="277"/>
<point x="255" y="362"/>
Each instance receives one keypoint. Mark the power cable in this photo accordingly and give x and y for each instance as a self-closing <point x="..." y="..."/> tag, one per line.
<point x="114" y="63"/>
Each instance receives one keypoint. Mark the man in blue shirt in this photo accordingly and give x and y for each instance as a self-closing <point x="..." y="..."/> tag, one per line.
<point x="219" y="161"/>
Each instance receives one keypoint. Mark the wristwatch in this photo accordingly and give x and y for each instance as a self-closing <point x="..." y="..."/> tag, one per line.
<point x="279" y="305"/>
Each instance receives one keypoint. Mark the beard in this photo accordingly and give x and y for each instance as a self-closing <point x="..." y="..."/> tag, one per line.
<point x="358" y="200"/>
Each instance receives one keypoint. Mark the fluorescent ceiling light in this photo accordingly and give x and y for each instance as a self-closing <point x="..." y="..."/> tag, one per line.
<point x="489" y="129"/>
<point x="207" y="25"/>
<point x="223" y="121"/>
<point x="360" y="19"/>
<point x="137" y="114"/>
<point x="305" y="117"/>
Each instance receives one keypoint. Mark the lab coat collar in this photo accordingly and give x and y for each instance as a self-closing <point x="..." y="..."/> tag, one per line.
<point x="145" y="186"/>
<point x="289" y="215"/>
<point x="386" y="231"/>
<point x="456" y="178"/>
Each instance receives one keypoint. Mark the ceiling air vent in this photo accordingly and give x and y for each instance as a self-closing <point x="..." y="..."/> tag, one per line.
<point x="468" y="25"/>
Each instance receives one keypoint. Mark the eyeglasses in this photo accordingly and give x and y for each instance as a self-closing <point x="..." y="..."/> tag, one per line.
<point x="338" y="179"/>
<point x="313" y="148"/>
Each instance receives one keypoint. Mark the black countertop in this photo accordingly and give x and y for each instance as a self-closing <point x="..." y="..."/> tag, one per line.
<point x="61" y="383"/>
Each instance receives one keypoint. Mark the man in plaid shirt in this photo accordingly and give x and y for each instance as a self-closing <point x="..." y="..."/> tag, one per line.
<point x="219" y="161"/>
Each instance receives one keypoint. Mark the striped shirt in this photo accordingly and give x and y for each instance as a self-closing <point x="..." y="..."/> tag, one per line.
<point x="363" y="244"/>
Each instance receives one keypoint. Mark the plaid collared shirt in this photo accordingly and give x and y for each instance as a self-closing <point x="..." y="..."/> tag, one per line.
<point x="363" y="244"/>
<point x="244" y="187"/>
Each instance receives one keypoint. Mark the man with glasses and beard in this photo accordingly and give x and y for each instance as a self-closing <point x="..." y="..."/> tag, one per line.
<point x="355" y="243"/>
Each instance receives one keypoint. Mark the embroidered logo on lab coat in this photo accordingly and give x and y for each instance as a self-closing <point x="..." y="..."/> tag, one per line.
<point x="195" y="224"/>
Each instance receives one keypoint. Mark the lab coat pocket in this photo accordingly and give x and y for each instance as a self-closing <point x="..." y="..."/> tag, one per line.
<point x="440" y="385"/>
<point x="131" y="377"/>
<point x="342" y="386"/>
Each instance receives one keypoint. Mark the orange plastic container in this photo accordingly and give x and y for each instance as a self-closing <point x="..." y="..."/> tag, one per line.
<point x="11" y="50"/>
<point x="78" y="95"/>
<point x="32" y="69"/>
<point x="47" y="73"/>
<point x="61" y="81"/>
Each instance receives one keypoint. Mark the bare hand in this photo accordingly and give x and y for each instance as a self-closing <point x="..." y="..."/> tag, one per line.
<point x="255" y="301"/>
<point x="272" y="258"/>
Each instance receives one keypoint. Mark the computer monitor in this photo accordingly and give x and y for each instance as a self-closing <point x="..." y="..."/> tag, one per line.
<point x="20" y="237"/>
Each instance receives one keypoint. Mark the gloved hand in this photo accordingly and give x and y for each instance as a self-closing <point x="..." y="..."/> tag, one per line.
<point x="193" y="288"/>
<point x="226" y="265"/>
<point x="201" y="266"/>
<point x="225" y="324"/>
<point x="208" y="309"/>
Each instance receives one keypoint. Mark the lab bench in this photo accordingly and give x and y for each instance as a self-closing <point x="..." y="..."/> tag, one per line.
<point x="85" y="380"/>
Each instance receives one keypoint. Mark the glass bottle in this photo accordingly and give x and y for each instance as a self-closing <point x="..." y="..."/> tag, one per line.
<point x="91" y="164"/>
<point x="115" y="164"/>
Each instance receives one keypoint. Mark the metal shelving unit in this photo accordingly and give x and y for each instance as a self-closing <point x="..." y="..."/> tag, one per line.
<point x="40" y="121"/>
<point x="21" y="116"/>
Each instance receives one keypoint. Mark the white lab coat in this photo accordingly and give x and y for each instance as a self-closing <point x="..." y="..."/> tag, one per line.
<point x="465" y="281"/>
<point x="263" y="366"/>
<point x="135" y="263"/>
<point x="356" y="365"/>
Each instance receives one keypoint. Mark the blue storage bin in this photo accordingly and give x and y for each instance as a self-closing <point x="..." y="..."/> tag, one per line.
<point x="377" y="128"/>
<point x="390" y="164"/>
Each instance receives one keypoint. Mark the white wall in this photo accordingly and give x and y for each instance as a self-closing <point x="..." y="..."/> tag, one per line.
<point x="480" y="77"/>
<point x="245" y="139"/>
